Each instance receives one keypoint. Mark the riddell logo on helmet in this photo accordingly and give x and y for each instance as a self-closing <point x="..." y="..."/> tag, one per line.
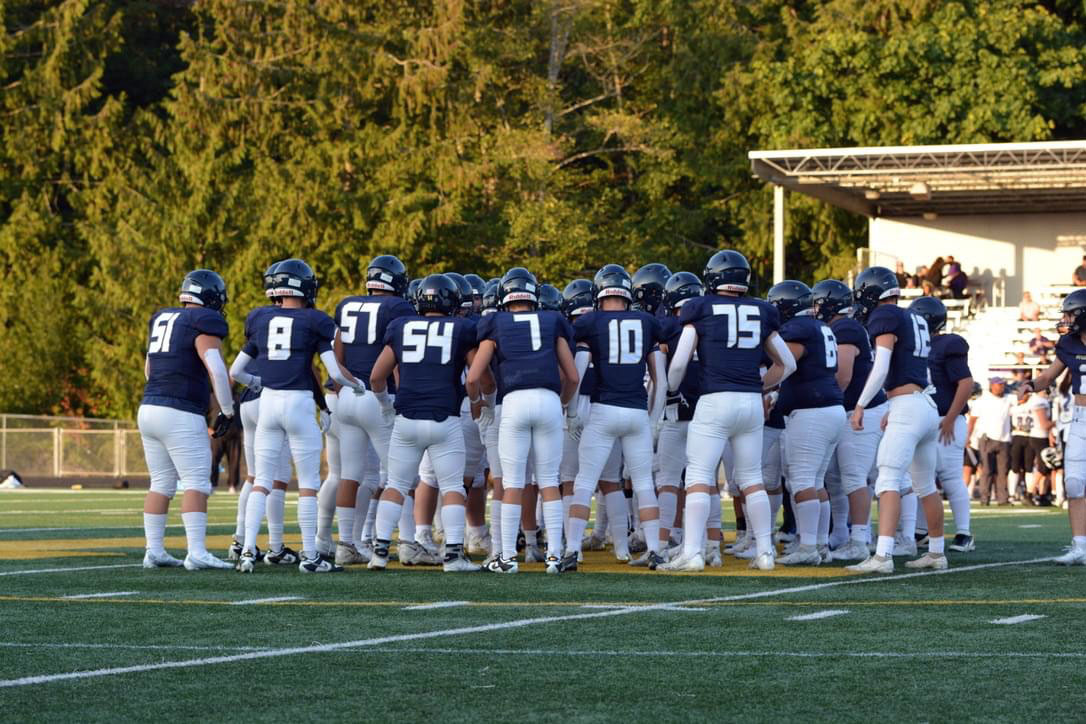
<point x="519" y="297"/>
<point x="614" y="292"/>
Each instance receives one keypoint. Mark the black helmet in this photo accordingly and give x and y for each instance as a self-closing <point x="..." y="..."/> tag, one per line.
<point x="518" y="285"/>
<point x="550" y="298"/>
<point x="830" y="298"/>
<point x="1074" y="304"/>
<point x="790" y="298"/>
<point x="439" y="293"/>
<point x="490" y="297"/>
<point x="413" y="293"/>
<point x="465" y="289"/>
<point x="386" y="273"/>
<point x="293" y="278"/>
<point x="680" y="287"/>
<point x="648" y="286"/>
<point x="204" y="287"/>
<point x="932" y="310"/>
<point x="577" y="298"/>
<point x="478" y="285"/>
<point x="872" y="286"/>
<point x="727" y="271"/>
<point x="269" y="279"/>
<point x="612" y="281"/>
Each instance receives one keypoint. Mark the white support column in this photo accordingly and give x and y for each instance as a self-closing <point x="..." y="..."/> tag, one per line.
<point x="778" y="234"/>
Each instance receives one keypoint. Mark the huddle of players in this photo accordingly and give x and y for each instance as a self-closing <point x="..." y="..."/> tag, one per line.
<point x="760" y="385"/>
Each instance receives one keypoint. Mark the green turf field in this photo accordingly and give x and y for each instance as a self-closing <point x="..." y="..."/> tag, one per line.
<point x="113" y="641"/>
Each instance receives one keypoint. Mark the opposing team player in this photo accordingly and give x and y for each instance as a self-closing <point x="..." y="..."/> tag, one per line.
<point x="362" y="323"/>
<point x="729" y="331"/>
<point x="620" y="343"/>
<point x="815" y="413"/>
<point x="1071" y="355"/>
<point x="284" y="340"/>
<point x="429" y="352"/>
<point x="902" y="347"/>
<point x="949" y="366"/>
<point x="183" y="354"/>
<point x="538" y="377"/>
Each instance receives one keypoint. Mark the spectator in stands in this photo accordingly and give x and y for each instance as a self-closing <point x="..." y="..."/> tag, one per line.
<point x="1028" y="310"/>
<point x="921" y="274"/>
<point x="1079" y="277"/>
<point x="956" y="280"/>
<point x="935" y="273"/>
<point x="903" y="278"/>
<point x="910" y="283"/>
<point x="992" y="415"/>
<point x="1040" y="344"/>
<point x="928" y="288"/>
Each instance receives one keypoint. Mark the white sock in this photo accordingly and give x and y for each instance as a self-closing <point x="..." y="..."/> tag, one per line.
<point x="531" y="537"/>
<point x="885" y="546"/>
<point x="824" y="515"/>
<point x="715" y="512"/>
<point x="254" y="516"/>
<point x="243" y="500"/>
<point x="552" y="523"/>
<point x="307" y="521"/>
<point x="807" y="514"/>
<point x="362" y="504"/>
<point x="1079" y="542"/>
<point x="510" y="526"/>
<point x="452" y="519"/>
<point x="651" y="528"/>
<point x="371" y="517"/>
<point x="567" y="500"/>
<point x="759" y="520"/>
<point x="908" y="516"/>
<point x="276" y="509"/>
<point x="345" y="517"/>
<point x="667" y="501"/>
<point x="776" y="500"/>
<point x="601" y="516"/>
<point x="615" y="503"/>
<point x="195" y="531"/>
<point x="495" y="526"/>
<point x="958" y="497"/>
<point x="677" y="534"/>
<point x="839" y="508"/>
<point x="326" y="510"/>
<point x="861" y="533"/>
<point x="407" y="519"/>
<point x="422" y="531"/>
<point x="936" y="545"/>
<point x="695" y="516"/>
<point x="388" y="515"/>
<point x="154" y="529"/>
<point x="477" y="531"/>
<point x="574" y="533"/>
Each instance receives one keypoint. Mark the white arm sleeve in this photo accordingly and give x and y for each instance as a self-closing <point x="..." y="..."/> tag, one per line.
<point x="684" y="350"/>
<point x="877" y="377"/>
<point x="328" y="359"/>
<point x="788" y="360"/>
<point x="581" y="362"/>
<point x="237" y="370"/>
<point x="220" y="380"/>
<point x="659" y="387"/>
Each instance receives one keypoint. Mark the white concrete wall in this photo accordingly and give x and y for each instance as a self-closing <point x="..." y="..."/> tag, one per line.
<point x="1029" y="250"/>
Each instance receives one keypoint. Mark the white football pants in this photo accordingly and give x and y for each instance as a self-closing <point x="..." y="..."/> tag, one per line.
<point x="177" y="448"/>
<point x="720" y="418"/>
<point x="532" y="421"/>
<point x="908" y="445"/>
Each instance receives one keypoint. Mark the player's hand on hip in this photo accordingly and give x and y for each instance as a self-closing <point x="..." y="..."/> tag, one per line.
<point x="946" y="430"/>
<point x="858" y="419"/>
<point x="222" y="425"/>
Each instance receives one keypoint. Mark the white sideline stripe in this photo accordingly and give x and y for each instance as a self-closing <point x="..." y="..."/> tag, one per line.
<point x="133" y="647"/>
<point x="664" y="607"/>
<point x="436" y="604"/>
<point x="485" y="628"/>
<point x="275" y="599"/>
<point x="817" y="615"/>
<point x="103" y="527"/>
<point x="727" y="654"/>
<point x="76" y="596"/>
<point x="73" y="568"/>
<point x="1017" y="619"/>
<point x="1032" y="525"/>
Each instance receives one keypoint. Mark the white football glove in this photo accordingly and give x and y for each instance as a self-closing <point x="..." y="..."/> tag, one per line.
<point x="254" y="383"/>
<point x="671" y="412"/>
<point x="359" y="390"/>
<point x="486" y="417"/>
<point x="326" y="421"/>
<point x="574" y="427"/>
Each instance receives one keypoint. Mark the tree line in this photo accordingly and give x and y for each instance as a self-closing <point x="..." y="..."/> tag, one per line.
<point x="143" y="138"/>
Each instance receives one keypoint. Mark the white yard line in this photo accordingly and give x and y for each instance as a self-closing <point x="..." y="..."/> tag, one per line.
<point x="66" y="570"/>
<point x="484" y="628"/>
<point x="126" y="647"/>
<point x="436" y="604"/>
<point x="729" y="654"/>
<point x="276" y="599"/>
<point x="1032" y="525"/>
<point x="1017" y="619"/>
<point x="114" y="594"/>
<point x="817" y="615"/>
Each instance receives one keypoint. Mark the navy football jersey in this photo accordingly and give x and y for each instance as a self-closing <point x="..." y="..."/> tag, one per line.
<point x="178" y="376"/>
<point x="909" y="361"/>
<point x="689" y="388"/>
<point x="949" y="364"/>
<point x="731" y="336"/>
<point x="283" y="340"/>
<point x="526" y="353"/>
<point x="619" y="342"/>
<point x="848" y="331"/>
<point x="362" y="322"/>
<point x="1072" y="352"/>
<point x="813" y="384"/>
<point x="431" y="353"/>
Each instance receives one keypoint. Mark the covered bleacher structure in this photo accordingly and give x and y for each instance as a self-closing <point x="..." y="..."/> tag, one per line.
<point x="1012" y="214"/>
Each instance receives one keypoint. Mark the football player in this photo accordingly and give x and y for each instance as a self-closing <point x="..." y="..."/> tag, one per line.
<point x="284" y="340"/>
<point x="535" y="364"/>
<point x="902" y="346"/>
<point x="620" y="342"/>
<point x="183" y="354"/>
<point x="648" y="287"/>
<point x="815" y="413"/>
<point x="949" y="366"/>
<point x="730" y="331"/>
<point x="429" y="352"/>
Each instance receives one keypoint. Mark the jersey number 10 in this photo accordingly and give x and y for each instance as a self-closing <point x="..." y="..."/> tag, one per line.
<point x="625" y="343"/>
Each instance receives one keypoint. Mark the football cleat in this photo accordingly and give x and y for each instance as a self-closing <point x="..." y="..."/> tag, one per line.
<point x="637" y="542"/>
<point x="824" y="551"/>
<point x="854" y="550"/>
<point x="873" y="564"/>
<point x="233" y="552"/>
<point x="622" y="557"/>
<point x="285" y="556"/>
<point x="318" y="565"/>
<point x="427" y="542"/>
<point x="1073" y="556"/>
<point x="963" y="543"/>
<point x="684" y="564"/>
<point x="365" y="549"/>
<point x="568" y="563"/>
<point x="379" y="559"/>
<point x="246" y="563"/>
<point x="458" y="562"/>
<point x="656" y="560"/>
<point x="783" y="537"/>
<point x="326" y="547"/>
<point x="764" y="562"/>
<point x="411" y="553"/>
<point x="348" y="555"/>
<point x="198" y="561"/>
<point x="478" y="544"/>
<point x="935" y="561"/>
<point x="742" y="542"/>
<point x="533" y="554"/>
<point x="554" y="564"/>
<point x="641" y="561"/>
<point x="713" y="559"/>
<point x="595" y="542"/>
<point x="746" y="554"/>
<point x="802" y="556"/>
<point x="903" y="547"/>
<point x="159" y="559"/>
<point x="502" y="565"/>
<point x="921" y="539"/>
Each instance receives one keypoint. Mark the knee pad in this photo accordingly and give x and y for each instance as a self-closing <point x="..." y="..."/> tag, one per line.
<point x="402" y="487"/>
<point x="1074" y="487"/>
<point x="924" y="488"/>
<point x="429" y="482"/>
<point x="890" y="481"/>
<point x="201" y="486"/>
<point x="167" y="489"/>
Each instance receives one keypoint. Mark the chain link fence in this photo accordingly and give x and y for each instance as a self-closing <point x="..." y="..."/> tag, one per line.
<point x="39" y="445"/>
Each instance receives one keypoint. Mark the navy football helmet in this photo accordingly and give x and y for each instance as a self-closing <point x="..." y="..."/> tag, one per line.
<point x="490" y="298"/>
<point x="478" y="286"/>
<point x="204" y="287"/>
<point x="550" y="298"/>
<point x="612" y="281"/>
<point x="831" y="298"/>
<point x="293" y="278"/>
<point x="577" y="298"/>
<point x="518" y="285"/>
<point x="873" y="285"/>
<point x="465" y="289"/>
<point x="386" y="273"/>
<point x="413" y="293"/>
<point x="439" y="293"/>
<point x="1073" y="306"/>
<point x="727" y="271"/>
<point x="790" y="298"/>
<point x="681" y="287"/>
<point x="648" y="286"/>
<point x="932" y="310"/>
